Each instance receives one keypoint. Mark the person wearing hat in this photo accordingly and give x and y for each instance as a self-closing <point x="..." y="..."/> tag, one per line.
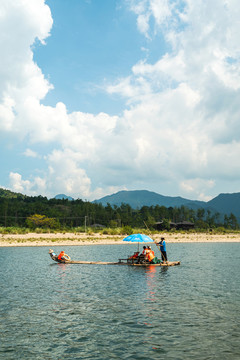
<point x="53" y="254"/>
<point x="162" y="246"/>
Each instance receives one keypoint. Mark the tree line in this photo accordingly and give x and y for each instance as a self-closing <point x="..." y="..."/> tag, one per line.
<point x="38" y="211"/>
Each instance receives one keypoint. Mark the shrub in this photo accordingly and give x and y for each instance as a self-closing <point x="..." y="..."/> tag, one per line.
<point x="127" y="230"/>
<point x="41" y="221"/>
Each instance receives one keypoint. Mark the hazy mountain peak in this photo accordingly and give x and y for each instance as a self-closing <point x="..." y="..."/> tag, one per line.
<point x="63" y="197"/>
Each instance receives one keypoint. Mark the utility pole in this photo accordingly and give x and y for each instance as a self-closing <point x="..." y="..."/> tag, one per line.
<point x="85" y="223"/>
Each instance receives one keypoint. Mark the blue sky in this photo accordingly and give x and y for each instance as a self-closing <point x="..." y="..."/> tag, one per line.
<point x="101" y="96"/>
<point x="92" y="43"/>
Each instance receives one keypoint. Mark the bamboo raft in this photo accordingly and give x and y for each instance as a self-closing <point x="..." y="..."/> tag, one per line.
<point x="120" y="262"/>
<point x="168" y="263"/>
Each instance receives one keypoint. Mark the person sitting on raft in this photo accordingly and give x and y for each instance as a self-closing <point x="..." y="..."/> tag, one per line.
<point x="134" y="256"/>
<point x="53" y="254"/>
<point x="146" y="254"/>
<point x="63" y="257"/>
<point x="150" y="254"/>
<point x="151" y="258"/>
<point x="142" y="255"/>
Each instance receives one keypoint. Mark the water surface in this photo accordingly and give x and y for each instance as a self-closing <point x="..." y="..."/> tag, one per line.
<point x="68" y="311"/>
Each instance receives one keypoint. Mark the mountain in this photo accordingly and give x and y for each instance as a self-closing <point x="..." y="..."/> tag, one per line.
<point x="63" y="197"/>
<point x="223" y="203"/>
<point x="226" y="203"/>
<point x="139" y="198"/>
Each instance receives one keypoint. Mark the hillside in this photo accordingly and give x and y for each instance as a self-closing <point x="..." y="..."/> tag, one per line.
<point x="223" y="203"/>
<point x="10" y="194"/>
<point x="226" y="203"/>
<point x="138" y="198"/>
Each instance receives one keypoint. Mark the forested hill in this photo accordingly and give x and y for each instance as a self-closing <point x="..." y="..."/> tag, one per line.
<point x="16" y="208"/>
<point x="226" y="203"/>
<point x="138" y="198"/>
<point x="10" y="194"/>
<point x="223" y="203"/>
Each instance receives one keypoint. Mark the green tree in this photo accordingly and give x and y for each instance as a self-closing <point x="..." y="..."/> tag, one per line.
<point x="41" y="221"/>
<point x="166" y="224"/>
<point x="230" y="222"/>
<point x="200" y="214"/>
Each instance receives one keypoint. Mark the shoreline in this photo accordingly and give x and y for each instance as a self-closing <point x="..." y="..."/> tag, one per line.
<point x="80" y="239"/>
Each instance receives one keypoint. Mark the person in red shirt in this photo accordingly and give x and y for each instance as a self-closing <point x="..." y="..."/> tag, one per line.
<point x="62" y="257"/>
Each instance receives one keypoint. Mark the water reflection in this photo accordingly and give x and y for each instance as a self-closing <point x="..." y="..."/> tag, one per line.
<point x="151" y="270"/>
<point x="164" y="270"/>
<point x="62" y="268"/>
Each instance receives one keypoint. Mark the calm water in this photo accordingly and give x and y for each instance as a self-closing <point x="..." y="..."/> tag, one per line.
<point x="58" y="311"/>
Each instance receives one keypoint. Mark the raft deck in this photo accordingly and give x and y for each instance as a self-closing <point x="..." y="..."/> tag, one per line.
<point x="129" y="262"/>
<point x="169" y="263"/>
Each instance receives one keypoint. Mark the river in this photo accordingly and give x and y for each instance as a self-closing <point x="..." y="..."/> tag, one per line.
<point x="70" y="311"/>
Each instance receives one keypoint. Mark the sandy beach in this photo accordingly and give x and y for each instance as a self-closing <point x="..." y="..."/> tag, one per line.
<point x="71" y="239"/>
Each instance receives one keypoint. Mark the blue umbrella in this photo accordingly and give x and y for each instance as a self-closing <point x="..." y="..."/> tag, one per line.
<point x="138" y="238"/>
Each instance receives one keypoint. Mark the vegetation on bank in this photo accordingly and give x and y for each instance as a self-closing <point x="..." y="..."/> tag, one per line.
<point x="122" y="231"/>
<point x="21" y="214"/>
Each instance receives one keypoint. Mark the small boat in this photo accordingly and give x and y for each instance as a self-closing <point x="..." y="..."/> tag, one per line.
<point x="128" y="262"/>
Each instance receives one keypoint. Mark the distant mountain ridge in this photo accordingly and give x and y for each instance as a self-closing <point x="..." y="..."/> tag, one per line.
<point x="139" y="198"/>
<point x="63" y="197"/>
<point x="223" y="203"/>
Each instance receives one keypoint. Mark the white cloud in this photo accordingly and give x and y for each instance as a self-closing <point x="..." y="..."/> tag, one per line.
<point x="197" y="187"/>
<point x="6" y="113"/>
<point x="197" y="114"/>
<point x="30" y="187"/>
<point x="21" y="79"/>
<point x="159" y="10"/>
<point x="16" y="182"/>
<point x="65" y="174"/>
<point x="181" y="123"/>
<point x="31" y="153"/>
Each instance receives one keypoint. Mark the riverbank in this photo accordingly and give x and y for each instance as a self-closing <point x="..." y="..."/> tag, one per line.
<point x="72" y="239"/>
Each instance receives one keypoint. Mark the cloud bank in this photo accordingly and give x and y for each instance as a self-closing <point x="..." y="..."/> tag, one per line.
<point x="179" y="132"/>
